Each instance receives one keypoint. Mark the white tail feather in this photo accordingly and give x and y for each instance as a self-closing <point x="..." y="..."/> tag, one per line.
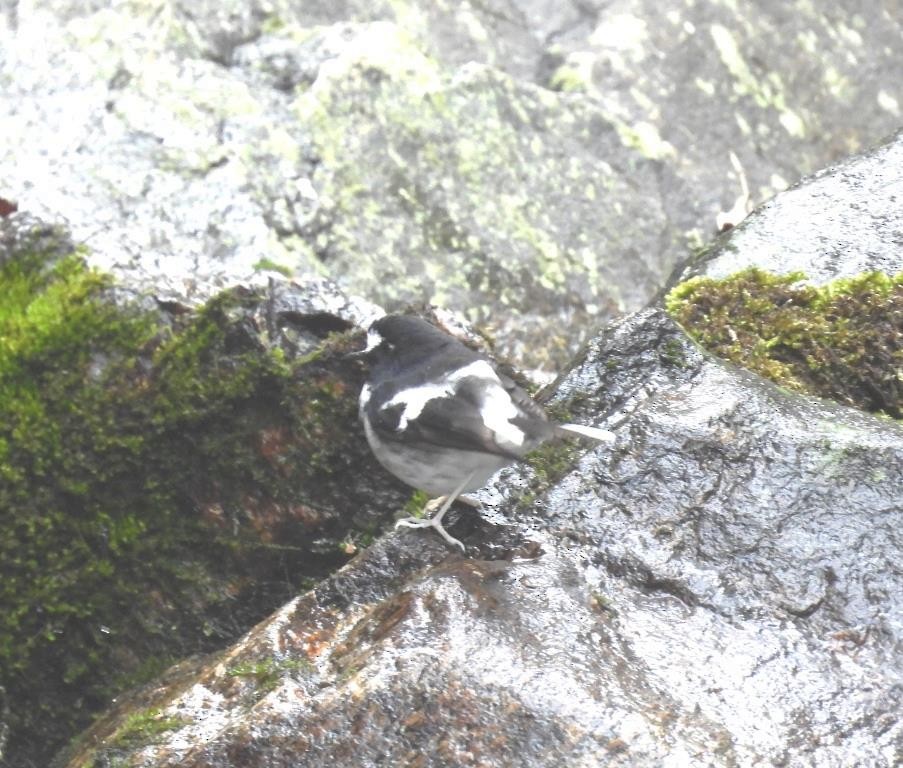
<point x="594" y="433"/>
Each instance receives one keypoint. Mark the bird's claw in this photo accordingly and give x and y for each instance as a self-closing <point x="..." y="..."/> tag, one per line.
<point x="427" y="522"/>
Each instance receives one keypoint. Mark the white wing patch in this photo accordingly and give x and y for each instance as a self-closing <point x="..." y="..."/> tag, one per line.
<point x="414" y="400"/>
<point x="479" y="369"/>
<point x="496" y="411"/>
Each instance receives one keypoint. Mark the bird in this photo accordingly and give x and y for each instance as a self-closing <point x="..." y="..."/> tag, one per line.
<point x="442" y="418"/>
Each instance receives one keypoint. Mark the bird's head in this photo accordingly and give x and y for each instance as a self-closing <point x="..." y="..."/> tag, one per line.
<point x="393" y="339"/>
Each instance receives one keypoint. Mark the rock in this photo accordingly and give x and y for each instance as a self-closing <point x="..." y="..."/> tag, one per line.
<point x="4" y="721"/>
<point x="808" y="291"/>
<point x="550" y="162"/>
<point x="721" y="588"/>
<point x="840" y="222"/>
<point x="718" y="589"/>
<point x="706" y="88"/>
<point x="169" y="477"/>
<point x="496" y="195"/>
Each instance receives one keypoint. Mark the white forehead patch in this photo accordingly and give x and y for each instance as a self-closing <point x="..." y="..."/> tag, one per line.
<point x="374" y="339"/>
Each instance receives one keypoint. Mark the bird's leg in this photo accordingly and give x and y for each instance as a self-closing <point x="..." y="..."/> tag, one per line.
<point x="435" y="521"/>
<point x="430" y="508"/>
<point x="433" y="504"/>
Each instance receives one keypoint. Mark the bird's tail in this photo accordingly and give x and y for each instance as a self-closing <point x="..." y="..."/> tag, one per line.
<point x="593" y="433"/>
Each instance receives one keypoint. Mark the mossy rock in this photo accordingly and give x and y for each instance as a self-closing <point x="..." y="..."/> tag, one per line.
<point x="842" y="340"/>
<point x="165" y="481"/>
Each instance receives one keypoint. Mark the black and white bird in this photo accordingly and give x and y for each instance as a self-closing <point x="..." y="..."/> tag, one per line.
<point x="441" y="418"/>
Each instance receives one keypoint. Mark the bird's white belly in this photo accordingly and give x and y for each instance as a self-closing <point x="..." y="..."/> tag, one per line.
<point x="438" y="471"/>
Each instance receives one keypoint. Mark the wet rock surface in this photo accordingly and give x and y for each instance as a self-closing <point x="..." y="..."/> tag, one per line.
<point x="719" y="588"/>
<point x="840" y="222"/>
<point x="4" y="722"/>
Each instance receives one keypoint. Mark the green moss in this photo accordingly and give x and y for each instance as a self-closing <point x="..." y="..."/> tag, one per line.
<point x="58" y="336"/>
<point x="674" y="353"/>
<point x="550" y="462"/>
<point x="145" y="727"/>
<point x="264" y="264"/>
<point x="272" y="24"/>
<point x="130" y="462"/>
<point x="602" y="603"/>
<point x="843" y="340"/>
<point x="267" y="673"/>
<point x="554" y="460"/>
<point x="416" y="504"/>
<point x="147" y="668"/>
<point x="568" y="410"/>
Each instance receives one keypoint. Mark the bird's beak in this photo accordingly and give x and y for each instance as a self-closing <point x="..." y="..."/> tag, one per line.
<point x="362" y="356"/>
<point x="366" y="354"/>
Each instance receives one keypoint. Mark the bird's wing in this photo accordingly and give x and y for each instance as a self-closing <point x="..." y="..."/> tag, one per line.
<point x="475" y="413"/>
<point x="521" y="399"/>
<point x="443" y="421"/>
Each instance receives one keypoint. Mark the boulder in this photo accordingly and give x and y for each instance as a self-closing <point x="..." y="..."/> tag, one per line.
<point x="718" y="589"/>
<point x="539" y="167"/>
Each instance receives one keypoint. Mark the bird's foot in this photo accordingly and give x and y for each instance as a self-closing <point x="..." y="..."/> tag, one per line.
<point x="428" y="522"/>
<point x="435" y="520"/>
